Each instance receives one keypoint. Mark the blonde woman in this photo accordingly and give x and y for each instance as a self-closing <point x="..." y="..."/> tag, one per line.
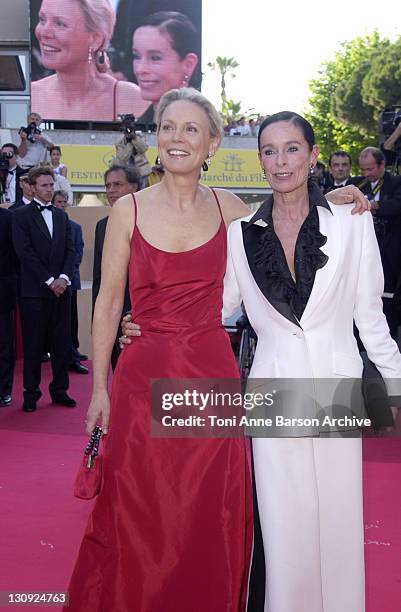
<point x="73" y="36"/>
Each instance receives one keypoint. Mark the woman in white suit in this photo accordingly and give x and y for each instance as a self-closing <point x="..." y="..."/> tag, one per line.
<point x="305" y="271"/>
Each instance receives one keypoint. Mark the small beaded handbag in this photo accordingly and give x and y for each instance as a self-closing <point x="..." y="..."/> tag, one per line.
<point x="89" y="478"/>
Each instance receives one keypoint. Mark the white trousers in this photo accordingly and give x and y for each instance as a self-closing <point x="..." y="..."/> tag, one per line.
<point x="310" y="505"/>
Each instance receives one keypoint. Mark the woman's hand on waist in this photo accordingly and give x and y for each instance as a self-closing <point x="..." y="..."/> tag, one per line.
<point x="129" y="329"/>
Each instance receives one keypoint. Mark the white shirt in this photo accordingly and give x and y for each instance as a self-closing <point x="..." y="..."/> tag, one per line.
<point x="10" y="185"/>
<point x="48" y="218"/>
<point x="35" y="155"/>
<point x="377" y="195"/>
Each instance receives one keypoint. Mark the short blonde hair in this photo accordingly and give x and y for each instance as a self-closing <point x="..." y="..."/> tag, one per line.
<point x="191" y="95"/>
<point x="99" y="17"/>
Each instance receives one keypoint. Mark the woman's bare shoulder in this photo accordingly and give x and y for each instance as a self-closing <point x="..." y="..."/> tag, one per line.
<point x="129" y="99"/>
<point x="43" y="86"/>
<point x="231" y="205"/>
<point x="123" y="214"/>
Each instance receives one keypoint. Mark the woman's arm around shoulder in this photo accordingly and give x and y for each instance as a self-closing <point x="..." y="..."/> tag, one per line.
<point x="368" y="311"/>
<point x="232" y="207"/>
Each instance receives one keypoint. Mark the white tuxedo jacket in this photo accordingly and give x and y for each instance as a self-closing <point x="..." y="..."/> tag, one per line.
<point x="349" y="287"/>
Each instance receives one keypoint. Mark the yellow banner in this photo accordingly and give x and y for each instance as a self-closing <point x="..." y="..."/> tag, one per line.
<point x="234" y="168"/>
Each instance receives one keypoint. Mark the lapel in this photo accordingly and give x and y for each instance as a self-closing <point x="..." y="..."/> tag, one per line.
<point x="386" y="187"/>
<point x="252" y="232"/>
<point x="57" y="228"/>
<point x="329" y="226"/>
<point x="39" y="221"/>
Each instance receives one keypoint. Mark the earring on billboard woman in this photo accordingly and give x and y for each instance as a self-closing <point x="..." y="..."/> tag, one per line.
<point x="207" y="162"/>
<point x="185" y="80"/>
<point x="90" y="55"/>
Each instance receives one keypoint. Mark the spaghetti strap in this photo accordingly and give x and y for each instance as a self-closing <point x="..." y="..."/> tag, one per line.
<point x="115" y="100"/>
<point x="135" y="209"/>
<point x="218" y="203"/>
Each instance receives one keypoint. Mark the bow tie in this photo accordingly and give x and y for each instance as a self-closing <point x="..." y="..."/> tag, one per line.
<point x="42" y="208"/>
<point x="11" y="171"/>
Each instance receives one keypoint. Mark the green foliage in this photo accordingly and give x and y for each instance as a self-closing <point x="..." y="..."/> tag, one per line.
<point x="351" y="91"/>
<point x="224" y="65"/>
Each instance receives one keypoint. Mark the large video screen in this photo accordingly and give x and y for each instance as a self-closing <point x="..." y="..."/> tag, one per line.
<point x="93" y="60"/>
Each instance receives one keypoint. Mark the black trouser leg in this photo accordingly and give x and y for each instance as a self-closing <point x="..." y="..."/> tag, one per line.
<point x="7" y="352"/>
<point x="60" y="347"/>
<point x="74" y="318"/>
<point x="257" y="578"/>
<point x="391" y="312"/>
<point x="34" y="318"/>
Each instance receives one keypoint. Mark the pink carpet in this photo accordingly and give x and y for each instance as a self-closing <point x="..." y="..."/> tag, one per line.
<point x="42" y="523"/>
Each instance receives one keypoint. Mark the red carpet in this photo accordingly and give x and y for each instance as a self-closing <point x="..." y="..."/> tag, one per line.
<point x="42" y="523"/>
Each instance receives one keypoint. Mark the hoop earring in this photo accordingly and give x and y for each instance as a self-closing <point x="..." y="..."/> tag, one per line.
<point x="90" y="55"/>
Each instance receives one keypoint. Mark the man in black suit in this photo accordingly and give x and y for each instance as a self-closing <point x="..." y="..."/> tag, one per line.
<point x="7" y="307"/>
<point x="26" y="193"/>
<point x="43" y="243"/>
<point x="340" y="163"/>
<point x="119" y="180"/>
<point x="384" y="192"/>
<point x="10" y="178"/>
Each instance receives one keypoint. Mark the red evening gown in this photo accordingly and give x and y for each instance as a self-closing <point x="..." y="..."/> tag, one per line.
<point x="171" y="530"/>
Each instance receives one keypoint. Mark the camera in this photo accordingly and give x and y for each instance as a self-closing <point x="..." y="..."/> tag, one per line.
<point x="389" y="119"/>
<point x="128" y="124"/>
<point x="30" y="131"/>
<point x="4" y="160"/>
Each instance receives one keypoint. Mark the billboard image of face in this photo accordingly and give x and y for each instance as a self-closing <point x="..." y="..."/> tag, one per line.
<point x="93" y="60"/>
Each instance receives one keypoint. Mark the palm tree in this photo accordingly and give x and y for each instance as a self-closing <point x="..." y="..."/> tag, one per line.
<point x="224" y="65"/>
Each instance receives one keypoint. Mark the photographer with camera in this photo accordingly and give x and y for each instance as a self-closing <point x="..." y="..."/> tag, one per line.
<point x="130" y="150"/>
<point x="10" y="172"/>
<point x="390" y="136"/>
<point x="34" y="145"/>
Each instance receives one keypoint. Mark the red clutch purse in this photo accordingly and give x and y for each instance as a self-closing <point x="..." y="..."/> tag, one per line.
<point x="89" y="477"/>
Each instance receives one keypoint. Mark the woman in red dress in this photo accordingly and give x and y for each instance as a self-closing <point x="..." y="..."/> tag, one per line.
<point x="171" y="530"/>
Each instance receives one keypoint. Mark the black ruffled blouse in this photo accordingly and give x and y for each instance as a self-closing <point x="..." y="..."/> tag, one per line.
<point x="270" y="259"/>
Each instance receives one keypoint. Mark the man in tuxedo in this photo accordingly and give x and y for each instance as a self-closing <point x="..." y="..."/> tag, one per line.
<point x="384" y="192"/>
<point x="26" y="193"/>
<point x="10" y="180"/>
<point x="340" y="163"/>
<point x="7" y="307"/>
<point x="43" y="243"/>
<point x="119" y="180"/>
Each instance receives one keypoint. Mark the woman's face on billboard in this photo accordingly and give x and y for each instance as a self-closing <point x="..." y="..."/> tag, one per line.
<point x="156" y="65"/>
<point x="63" y="38"/>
